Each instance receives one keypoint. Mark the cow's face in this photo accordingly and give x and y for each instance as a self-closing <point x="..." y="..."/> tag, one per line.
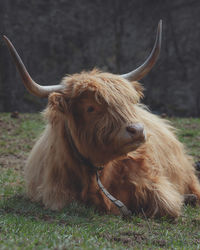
<point x="99" y="110"/>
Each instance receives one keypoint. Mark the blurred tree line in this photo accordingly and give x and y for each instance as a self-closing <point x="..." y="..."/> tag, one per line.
<point x="61" y="37"/>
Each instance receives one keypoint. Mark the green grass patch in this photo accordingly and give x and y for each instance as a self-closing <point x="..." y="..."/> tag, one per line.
<point x="189" y="134"/>
<point x="28" y="225"/>
<point x="18" y="134"/>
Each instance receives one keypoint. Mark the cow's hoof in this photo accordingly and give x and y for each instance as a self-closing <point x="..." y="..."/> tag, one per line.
<point x="190" y="199"/>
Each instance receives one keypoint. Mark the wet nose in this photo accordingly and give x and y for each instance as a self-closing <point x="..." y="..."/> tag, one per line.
<point x="136" y="130"/>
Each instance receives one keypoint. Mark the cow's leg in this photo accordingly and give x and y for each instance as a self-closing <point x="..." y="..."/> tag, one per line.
<point x="50" y="187"/>
<point x="102" y="203"/>
<point x="53" y="195"/>
<point x="92" y="195"/>
<point x="56" y="197"/>
<point x="194" y="186"/>
<point x="159" y="198"/>
<point x="190" y="199"/>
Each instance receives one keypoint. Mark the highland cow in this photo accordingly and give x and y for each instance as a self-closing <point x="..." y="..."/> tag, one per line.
<point x="95" y="119"/>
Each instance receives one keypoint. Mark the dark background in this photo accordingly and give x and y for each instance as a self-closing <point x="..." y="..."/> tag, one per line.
<point x="58" y="37"/>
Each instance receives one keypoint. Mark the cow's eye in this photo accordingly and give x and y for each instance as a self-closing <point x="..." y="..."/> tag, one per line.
<point x="90" y="109"/>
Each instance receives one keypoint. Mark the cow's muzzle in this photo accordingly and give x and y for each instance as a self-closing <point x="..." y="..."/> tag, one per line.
<point x="137" y="132"/>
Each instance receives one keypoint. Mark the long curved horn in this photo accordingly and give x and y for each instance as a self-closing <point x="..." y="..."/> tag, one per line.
<point x="32" y="86"/>
<point x="142" y="70"/>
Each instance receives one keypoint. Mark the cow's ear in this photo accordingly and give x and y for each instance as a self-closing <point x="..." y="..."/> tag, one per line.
<point x="139" y="88"/>
<point x="57" y="101"/>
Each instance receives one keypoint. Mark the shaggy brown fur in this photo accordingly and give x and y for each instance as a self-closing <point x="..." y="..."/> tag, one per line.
<point x="97" y="107"/>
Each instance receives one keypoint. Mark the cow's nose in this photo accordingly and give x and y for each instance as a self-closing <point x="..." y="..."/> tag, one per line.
<point x="136" y="130"/>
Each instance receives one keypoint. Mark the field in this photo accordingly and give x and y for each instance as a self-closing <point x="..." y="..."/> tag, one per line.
<point x="27" y="225"/>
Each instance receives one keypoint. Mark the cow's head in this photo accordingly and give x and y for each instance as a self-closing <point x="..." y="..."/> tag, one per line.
<point x="97" y="108"/>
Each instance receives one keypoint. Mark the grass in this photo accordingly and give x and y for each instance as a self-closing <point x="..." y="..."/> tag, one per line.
<point x="27" y="225"/>
<point x="189" y="134"/>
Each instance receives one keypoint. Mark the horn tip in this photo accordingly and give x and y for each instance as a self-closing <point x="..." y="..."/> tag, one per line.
<point x="159" y="31"/>
<point x="4" y="37"/>
<point x="160" y="24"/>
